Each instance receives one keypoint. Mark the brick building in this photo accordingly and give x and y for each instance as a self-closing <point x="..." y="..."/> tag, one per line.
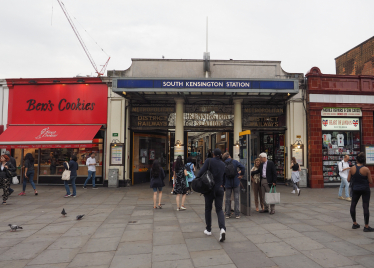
<point x="340" y="121"/>
<point x="358" y="60"/>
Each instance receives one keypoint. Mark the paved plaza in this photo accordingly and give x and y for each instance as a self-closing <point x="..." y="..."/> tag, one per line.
<point x="120" y="229"/>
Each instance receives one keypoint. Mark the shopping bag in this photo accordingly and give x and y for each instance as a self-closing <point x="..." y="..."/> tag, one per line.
<point x="66" y="174"/>
<point x="15" y="180"/>
<point x="272" y="198"/>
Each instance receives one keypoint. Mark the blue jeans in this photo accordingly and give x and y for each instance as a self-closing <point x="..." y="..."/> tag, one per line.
<point x="72" y="180"/>
<point x="30" y="177"/>
<point x="90" y="174"/>
<point x="345" y="184"/>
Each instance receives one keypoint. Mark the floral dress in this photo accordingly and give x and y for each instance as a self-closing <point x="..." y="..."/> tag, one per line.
<point x="180" y="186"/>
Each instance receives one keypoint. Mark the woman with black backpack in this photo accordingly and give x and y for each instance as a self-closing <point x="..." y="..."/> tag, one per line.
<point x="157" y="182"/>
<point x="180" y="187"/>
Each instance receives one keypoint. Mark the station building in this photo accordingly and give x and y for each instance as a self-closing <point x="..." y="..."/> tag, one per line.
<point x="189" y="107"/>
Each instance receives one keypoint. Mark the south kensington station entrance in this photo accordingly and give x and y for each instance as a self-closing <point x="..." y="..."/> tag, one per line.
<point x="192" y="117"/>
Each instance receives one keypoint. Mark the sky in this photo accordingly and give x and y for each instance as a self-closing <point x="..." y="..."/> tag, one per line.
<point x="37" y="41"/>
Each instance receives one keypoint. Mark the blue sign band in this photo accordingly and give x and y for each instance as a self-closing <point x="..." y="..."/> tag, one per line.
<point x="229" y="84"/>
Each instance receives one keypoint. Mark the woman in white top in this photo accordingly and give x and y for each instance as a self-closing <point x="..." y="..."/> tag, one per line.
<point x="295" y="175"/>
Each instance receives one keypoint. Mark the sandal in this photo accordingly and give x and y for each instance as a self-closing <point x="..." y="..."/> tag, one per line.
<point x="36" y="192"/>
<point x="154" y="207"/>
<point x="159" y="206"/>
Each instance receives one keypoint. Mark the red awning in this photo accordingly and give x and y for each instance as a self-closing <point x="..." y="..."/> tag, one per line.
<point x="43" y="136"/>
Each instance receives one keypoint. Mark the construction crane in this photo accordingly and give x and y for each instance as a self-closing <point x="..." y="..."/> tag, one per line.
<point x="81" y="41"/>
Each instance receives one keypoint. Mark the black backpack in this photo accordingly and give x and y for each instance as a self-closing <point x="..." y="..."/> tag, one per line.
<point x="205" y="183"/>
<point x="230" y="170"/>
<point x="337" y="168"/>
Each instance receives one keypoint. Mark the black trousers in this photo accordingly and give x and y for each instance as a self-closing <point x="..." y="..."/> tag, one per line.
<point x="217" y="197"/>
<point x="365" y="204"/>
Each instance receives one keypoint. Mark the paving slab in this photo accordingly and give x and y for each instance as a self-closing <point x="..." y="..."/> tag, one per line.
<point x="277" y="249"/>
<point x="131" y="261"/>
<point x="168" y="238"/>
<point x="328" y="258"/>
<point x="210" y="258"/>
<point x="170" y="252"/>
<point x="201" y="244"/>
<point x="297" y="260"/>
<point x="53" y="256"/>
<point x="174" y="264"/>
<point x="92" y="259"/>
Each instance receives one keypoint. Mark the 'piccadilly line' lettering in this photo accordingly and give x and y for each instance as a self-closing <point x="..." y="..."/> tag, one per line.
<point x="62" y="105"/>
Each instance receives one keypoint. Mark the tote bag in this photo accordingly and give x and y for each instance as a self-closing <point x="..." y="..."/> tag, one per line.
<point x="272" y="198"/>
<point x="66" y="174"/>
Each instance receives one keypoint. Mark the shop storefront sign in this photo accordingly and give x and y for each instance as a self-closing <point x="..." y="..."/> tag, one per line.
<point x="58" y="104"/>
<point x="133" y="84"/>
<point x="341" y="124"/>
<point x="338" y="111"/>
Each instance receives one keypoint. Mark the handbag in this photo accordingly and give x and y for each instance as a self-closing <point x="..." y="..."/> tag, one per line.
<point x="66" y="174"/>
<point x="205" y="183"/>
<point x="8" y="174"/>
<point x="15" y="180"/>
<point x="272" y="198"/>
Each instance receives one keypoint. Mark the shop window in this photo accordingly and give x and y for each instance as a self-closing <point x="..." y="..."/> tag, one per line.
<point x="336" y="144"/>
<point x="51" y="160"/>
<point x="148" y="148"/>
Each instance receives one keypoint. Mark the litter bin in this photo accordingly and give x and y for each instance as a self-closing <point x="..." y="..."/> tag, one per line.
<point x="113" y="178"/>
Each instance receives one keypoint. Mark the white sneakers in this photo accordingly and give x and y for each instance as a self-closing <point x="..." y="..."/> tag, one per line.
<point x="182" y="208"/>
<point x="207" y="233"/>
<point x="293" y="192"/>
<point x="222" y="235"/>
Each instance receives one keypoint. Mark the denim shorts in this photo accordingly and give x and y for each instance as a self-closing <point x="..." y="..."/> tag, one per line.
<point x="159" y="189"/>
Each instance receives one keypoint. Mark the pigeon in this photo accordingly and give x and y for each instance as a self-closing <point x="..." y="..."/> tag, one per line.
<point x="63" y="212"/>
<point x="79" y="217"/>
<point x="14" y="227"/>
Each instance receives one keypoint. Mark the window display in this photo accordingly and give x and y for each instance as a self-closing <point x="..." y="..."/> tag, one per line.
<point x="51" y="160"/>
<point x="336" y="144"/>
<point x="273" y="145"/>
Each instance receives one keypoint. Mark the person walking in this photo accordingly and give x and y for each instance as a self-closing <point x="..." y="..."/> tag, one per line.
<point x="29" y="174"/>
<point x="343" y="173"/>
<point x="180" y="187"/>
<point x="190" y="168"/>
<point x="268" y="175"/>
<point x="217" y="168"/>
<point x="256" y="185"/>
<point x="232" y="183"/>
<point x="360" y="177"/>
<point x="5" y="176"/>
<point x="73" y="167"/>
<point x="14" y="164"/>
<point x="157" y="182"/>
<point x="295" y="175"/>
<point x="91" y="163"/>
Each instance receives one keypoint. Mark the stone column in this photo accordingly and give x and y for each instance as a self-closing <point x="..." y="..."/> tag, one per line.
<point x="179" y="127"/>
<point x="237" y="125"/>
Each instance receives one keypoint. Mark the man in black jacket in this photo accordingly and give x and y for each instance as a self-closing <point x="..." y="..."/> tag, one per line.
<point x="13" y="162"/>
<point x="268" y="175"/>
<point x="217" y="167"/>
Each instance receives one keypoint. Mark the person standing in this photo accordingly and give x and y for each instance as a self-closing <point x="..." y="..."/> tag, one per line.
<point x="217" y="168"/>
<point x="190" y="168"/>
<point x="29" y="174"/>
<point x="157" y="182"/>
<point x="209" y="153"/>
<point x="5" y="177"/>
<point x="73" y="167"/>
<point x="232" y="184"/>
<point x="295" y="175"/>
<point x="268" y="175"/>
<point x="180" y="187"/>
<point x="91" y="163"/>
<point x="14" y="164"/>
<point x="256" y="185"/>
<point x="343" y="173"/>
<point x="360" y="177"/>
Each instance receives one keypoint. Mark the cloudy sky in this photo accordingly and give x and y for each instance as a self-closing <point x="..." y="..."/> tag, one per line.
<point x="37" y="40"/>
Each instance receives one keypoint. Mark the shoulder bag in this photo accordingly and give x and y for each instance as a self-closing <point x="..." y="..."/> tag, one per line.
<point x="205" y="183"/>
<point x="66" y="174"/>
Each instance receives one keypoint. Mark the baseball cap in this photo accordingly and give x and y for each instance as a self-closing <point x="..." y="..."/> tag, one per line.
<point x="217" y="152"/>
